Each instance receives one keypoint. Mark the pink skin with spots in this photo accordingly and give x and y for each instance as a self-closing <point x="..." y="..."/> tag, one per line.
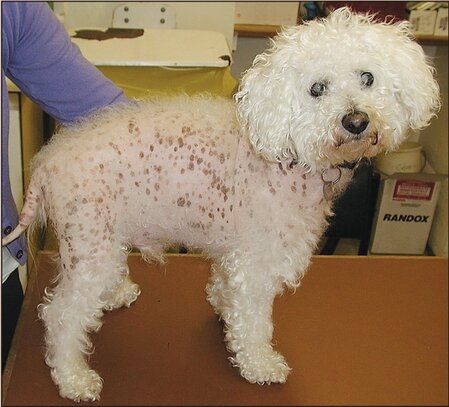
<point x="159" y="176"/>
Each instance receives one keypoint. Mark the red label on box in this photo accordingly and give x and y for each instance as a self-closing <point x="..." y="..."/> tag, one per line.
<point x="412" y="189"/>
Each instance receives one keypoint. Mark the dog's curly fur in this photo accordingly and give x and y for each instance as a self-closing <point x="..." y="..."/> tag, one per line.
<point x="247" y="189"/>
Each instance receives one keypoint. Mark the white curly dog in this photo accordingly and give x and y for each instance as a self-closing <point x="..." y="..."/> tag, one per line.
<point x="250" y="183"/>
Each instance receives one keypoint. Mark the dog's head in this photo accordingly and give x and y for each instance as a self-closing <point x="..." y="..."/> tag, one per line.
<point x="336" y="90"/>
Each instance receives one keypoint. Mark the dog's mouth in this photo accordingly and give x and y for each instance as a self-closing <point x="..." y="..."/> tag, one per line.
<point x="370" y="139"/>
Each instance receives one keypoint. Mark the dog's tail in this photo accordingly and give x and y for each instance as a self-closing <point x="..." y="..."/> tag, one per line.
<point x="32" y="211"/>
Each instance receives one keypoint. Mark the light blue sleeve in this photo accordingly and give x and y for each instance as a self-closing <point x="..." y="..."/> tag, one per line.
<point x="50" y="69"/>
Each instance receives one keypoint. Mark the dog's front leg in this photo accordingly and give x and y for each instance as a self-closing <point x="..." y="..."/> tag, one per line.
<point x="242" y="294"/>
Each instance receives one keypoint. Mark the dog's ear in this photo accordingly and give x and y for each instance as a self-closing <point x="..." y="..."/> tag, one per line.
<point x="413" y="78"/>
<point x="264" y="102"/>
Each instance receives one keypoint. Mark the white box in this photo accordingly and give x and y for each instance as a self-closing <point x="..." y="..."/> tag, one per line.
<point x="404" y="213"/>
<point x="423" y="21"/>
<point x="441" y="29"/>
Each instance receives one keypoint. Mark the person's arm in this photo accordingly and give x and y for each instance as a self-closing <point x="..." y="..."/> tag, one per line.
<point x="49" y="68"/>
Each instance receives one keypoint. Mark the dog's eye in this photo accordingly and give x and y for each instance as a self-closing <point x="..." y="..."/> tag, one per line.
<point x="367" y="79"/>
<point x="318" y="89"/>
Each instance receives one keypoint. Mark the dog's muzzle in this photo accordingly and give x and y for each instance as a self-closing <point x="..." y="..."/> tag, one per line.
<point x="356" y="122"/>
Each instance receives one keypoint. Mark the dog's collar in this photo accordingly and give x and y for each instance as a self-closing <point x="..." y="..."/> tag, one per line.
<point x="349" y="165"/>
<point x="346" y="165"/>
<point x="330" y="177"/>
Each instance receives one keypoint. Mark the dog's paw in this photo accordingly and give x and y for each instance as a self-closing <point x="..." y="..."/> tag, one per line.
<point x="78" y="384"/>
<point x="123" y="296"/>
<point x="262" y="367"/>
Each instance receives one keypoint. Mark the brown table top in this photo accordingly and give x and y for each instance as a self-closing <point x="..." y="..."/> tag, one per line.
<point x="360" y="330"/>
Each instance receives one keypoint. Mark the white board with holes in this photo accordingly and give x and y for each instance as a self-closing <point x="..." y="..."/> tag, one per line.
<point x="167" y="48"/>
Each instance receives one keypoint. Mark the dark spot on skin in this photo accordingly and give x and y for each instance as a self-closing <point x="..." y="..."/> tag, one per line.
<point x="181" y="201"/>
<point x="74" y="261"/>
<point x="284" y="172"/>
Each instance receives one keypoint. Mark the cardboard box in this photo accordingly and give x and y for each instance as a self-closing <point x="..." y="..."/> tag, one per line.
<point x="441" y="28"/>
<point x="423" y="21"/>
<point x="404" y="213"/>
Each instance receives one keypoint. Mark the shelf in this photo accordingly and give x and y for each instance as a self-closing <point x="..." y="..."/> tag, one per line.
<point x="259" y="30"/>
<point x="256" y="30"/>
<point x="431" y="40"/>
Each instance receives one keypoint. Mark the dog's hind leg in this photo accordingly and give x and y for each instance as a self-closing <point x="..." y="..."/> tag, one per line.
<point x="242" y="293"/>
<point x="73" y="309"/>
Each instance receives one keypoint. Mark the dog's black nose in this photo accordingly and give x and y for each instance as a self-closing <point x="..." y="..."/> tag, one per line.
<point x="355" y="122"/>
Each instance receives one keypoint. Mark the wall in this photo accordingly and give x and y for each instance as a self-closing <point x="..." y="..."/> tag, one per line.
<point x="435" y="142"/>
<point x="243" y="56"/>
<point x="269" y="13"/>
